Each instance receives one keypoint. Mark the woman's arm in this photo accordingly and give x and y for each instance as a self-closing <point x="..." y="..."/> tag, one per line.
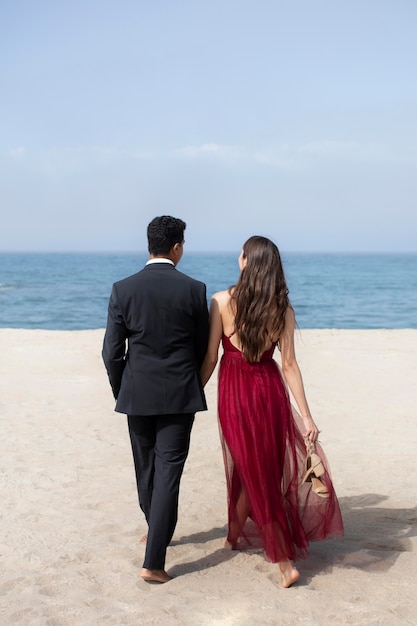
<point x="293" y="376"/>
<point x="215" y="335"/>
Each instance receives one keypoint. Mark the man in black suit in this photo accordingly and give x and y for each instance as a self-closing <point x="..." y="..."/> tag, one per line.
<point x="162" y="315"/>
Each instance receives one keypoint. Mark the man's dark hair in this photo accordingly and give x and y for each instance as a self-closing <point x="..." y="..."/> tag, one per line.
<point x="163" y="233"/>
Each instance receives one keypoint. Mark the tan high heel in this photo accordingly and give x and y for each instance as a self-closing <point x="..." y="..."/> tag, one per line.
<point x="318" y="488"/>
<point x="316" y="464"/>
<point x="308" y="473"/>
<point x="314" y="469"/>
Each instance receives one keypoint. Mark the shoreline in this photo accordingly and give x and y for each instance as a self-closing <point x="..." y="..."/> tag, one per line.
<point x="72" y="525"/>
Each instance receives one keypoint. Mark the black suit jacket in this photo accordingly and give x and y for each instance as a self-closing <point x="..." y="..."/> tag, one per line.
<point x="162" y="316"/>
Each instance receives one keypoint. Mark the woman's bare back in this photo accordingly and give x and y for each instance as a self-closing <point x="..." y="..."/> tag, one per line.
<point x="227" y="314"/>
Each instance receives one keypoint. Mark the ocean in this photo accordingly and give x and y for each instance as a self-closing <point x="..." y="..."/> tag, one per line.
<point x="70" y="291"/>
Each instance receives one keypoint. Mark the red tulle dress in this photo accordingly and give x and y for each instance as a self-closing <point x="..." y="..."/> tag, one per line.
<point x="264" y="455"/>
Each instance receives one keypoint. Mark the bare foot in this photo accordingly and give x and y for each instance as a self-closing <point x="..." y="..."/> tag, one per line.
<point x="289" y="574"/>
<point x="154" y="575"/>
<point x="144" y="538"/>
<point x="229" y="546"/>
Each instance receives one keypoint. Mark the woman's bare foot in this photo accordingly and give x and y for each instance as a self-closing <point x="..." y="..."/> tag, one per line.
<point x="155" y="575"/>
<point x="229" y="546"/>
<point x="289" y="574"/>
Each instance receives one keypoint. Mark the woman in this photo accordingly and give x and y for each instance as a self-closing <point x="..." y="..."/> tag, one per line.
<point x="271" y="496"/>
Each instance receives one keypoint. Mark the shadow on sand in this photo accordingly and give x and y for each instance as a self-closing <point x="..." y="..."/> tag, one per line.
<point x="374" y="538"/>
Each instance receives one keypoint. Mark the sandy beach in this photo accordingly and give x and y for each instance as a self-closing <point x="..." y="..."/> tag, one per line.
<point x="71" y="524"/>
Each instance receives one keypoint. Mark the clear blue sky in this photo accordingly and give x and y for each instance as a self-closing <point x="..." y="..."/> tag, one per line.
<point x="295" y="119"/>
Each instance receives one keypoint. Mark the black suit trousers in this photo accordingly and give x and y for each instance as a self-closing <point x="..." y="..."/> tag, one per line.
<point x="160" y="445"/>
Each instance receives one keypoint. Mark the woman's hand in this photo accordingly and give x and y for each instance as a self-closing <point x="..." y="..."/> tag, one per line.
<point x="311" y="431"/>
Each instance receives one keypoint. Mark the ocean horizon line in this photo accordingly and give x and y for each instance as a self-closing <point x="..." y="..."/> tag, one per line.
<point x="216" y="252"/>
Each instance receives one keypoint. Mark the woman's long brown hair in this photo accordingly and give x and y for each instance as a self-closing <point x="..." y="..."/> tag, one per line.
<point x="259" y="299"/>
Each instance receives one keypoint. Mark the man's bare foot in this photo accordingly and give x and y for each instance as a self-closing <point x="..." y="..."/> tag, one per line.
<point x="144" y="538"/>
<point x="154" y="575"/>
<point x="289" y="574"/>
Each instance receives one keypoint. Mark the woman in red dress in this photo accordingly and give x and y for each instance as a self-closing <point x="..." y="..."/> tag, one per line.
<point x="274" y="499"/>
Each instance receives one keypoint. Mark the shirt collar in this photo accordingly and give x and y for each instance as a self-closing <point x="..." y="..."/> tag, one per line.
<point x="159" y="260"/>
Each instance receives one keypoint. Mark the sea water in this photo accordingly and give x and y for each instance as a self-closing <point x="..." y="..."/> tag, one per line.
<point x="71" y="291"/>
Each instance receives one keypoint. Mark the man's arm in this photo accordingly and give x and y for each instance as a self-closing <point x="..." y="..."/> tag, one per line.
<point x="114" y="344"/>
<point x="216" y="330"/>
<point x="202" y="329"/>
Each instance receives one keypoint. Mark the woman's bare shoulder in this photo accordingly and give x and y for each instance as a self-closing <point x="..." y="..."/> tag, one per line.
<point x="222" y="297"/>
<point x="290" y="317"/>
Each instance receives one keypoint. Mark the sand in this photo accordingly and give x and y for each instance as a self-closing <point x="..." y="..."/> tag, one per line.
<point x="70" y="521"/>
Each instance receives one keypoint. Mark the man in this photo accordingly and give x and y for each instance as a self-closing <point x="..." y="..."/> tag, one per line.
<point x="163" y="315"/>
